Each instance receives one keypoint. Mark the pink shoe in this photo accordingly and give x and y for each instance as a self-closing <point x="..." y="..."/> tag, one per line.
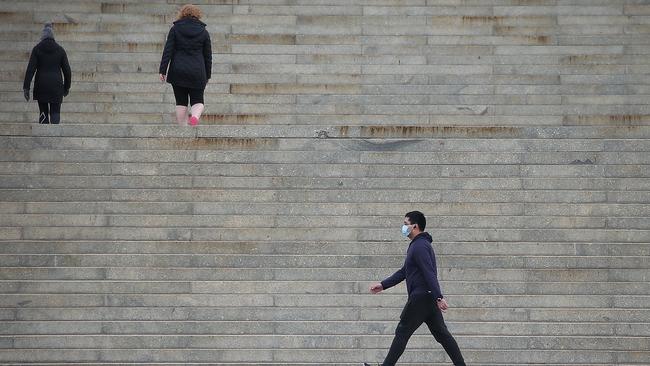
<point x="194" y="121"/>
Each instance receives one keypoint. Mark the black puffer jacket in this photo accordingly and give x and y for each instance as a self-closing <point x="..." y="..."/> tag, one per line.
<point x="48" y="60"/>
<point x="188" y="53"/>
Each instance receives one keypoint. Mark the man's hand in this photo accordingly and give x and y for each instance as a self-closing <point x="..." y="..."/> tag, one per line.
<point x="442" y="305"/>
<point x="163" y="77"/>
<point x="376" y="288"/>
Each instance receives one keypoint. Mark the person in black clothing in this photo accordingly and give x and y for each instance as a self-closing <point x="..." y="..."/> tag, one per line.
<point x="188" y="55"/>
<point x="47" y="61"/>
<point x="425" y="300"/>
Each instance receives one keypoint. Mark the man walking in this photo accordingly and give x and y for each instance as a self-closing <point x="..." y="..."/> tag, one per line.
<point x="425" y="301"/>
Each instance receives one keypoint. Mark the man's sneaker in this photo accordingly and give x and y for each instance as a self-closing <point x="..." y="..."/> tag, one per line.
<point x="367" y="364"/>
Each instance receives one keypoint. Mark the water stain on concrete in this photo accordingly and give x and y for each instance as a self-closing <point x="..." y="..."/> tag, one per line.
<point x="232" y="143"/>
<point x="64" y="27"/>
<point x="472" y="19"/>
<point x="286" y="39"/>
<point x="420" y="131"/>
<point x="113" y="8"/>
<point x="240" y="119"/>
<point x="628" y="118"/>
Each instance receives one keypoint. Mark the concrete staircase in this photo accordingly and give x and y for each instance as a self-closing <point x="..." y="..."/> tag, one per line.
<point x="520" y="128"/>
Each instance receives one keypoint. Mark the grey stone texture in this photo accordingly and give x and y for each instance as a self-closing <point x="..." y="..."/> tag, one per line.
<point x="520" y="128"/>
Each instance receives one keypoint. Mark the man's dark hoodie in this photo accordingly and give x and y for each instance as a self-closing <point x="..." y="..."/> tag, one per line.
<point x="188" y="53"/>
<point x="419" y="269"/>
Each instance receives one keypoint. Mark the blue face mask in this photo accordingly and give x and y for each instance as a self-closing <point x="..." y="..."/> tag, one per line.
<point x="406" y="230"/>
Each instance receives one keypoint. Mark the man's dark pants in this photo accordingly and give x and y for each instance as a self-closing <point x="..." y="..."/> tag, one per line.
<point x="418" y="310"/>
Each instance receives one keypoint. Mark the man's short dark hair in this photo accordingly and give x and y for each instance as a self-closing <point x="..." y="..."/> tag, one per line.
<point x="417" y="217"/>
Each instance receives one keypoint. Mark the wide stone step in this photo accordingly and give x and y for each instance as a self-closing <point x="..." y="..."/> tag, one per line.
<point x="308" y="274"/>
<point x="312" y="261"/>
<point x="342" y="342"/>
<point x="324" y="287"/>
<point x="342" y="313"/>
<point x="316" y="131"/>
<point x="27" y="119"/>
<point x="344" y="234"/>
<point x="319" y="247"/>
<point x="343" y="195"/>
<point x="350" y="170"/>
<point x="222" y="114"/>
<point x="496" y="145"/>
<point x="43" y="181"/>
<point x="299" y="357"/>
<point x="452" y="106"/>
<point x="163" y="98"/>
<point x="25" y="220"/>
<point x="306" y="209"/>
<point x="302" y="327"/>
<point x="201" y="155"/>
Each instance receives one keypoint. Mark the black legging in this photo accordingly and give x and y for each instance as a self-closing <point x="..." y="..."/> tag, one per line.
<point x="49" y="112"/>
<point x="417" y="311"/>
<point x="181" y="94"/>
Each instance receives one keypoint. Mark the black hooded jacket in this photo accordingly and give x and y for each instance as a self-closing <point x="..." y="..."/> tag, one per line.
<point x="188" y="53"/>
<point x="48" y="60"/>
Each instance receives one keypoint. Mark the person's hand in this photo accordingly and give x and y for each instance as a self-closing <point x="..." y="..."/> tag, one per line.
<point x="65" y="92"/>
<point x="163" y="77"/>
<point x="376" y="288"/>
<point x="442" y="305"/>
<point x="26" y="94"/>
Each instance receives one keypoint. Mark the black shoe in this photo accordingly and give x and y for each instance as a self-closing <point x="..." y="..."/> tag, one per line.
<point x="367" y="364"/>
<point x="42" y="119"/>
<point x="54" y="118"/>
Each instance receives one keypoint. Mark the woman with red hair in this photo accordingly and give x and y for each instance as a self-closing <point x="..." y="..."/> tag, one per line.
<point x="187" y="63"/>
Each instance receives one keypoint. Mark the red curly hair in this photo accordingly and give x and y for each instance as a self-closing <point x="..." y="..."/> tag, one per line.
<point x="190" y="10"/>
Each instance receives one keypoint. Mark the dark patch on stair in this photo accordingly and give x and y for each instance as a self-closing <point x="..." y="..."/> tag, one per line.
<point x="386" y="145"/>
<point x="131" y="47"/>
<point x="539" y="39"/>
<point x="233" y="118"/>
<point x="582" y="162"/>
<point x="64" y="27"/>
<point x="113" y="8"/>
<point x="70" y="19"/>
<point x="503" y="30"/>
<point x="627" y="118"/>
<point x="211" y="143"/>
<point x="87" y="76"/>
<point x="286" y="39"/>
<point x="482" y="19"/>
<point x="617" y="120"/>
<point x="576" y="59"/>
<point x="15" y="16"/>
<point x="421" y="131"/>
<point x="322" y="134"/>
<point x="482" y="113"/>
